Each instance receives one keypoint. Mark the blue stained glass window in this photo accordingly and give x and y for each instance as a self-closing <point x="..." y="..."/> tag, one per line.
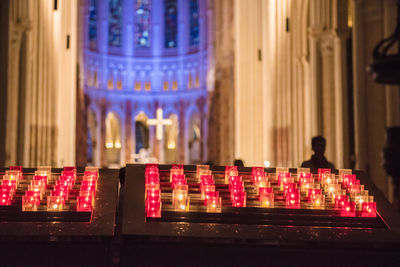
<point x="114" y="22"/>
<point x="194" y="23"/>
<point x="171" y="24"/>
<point x="92" y="22"/>
<point x="143" y="23"/>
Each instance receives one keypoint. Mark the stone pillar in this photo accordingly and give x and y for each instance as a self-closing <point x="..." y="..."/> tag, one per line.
<point x="221" y="124"/>
<point x="157" y="17"/>
<point x="360" y="108"/>
<point x="103" y="106"/>
<point x="128" y="33"/>
<point x="328" y="98"/>
<point x="201" y="103"/>
<point x="392" y="92"/>
<point x="128" y="131"/>
<point x="102" y="42"/>
<point x="182" y="131"/>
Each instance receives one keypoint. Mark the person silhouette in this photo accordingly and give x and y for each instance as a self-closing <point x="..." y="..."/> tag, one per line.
<point x="239" y="163"/>
<point x="318" y="160"/>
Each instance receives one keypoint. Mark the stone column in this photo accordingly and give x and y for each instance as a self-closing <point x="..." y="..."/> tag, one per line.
<point x="360" y="108"/>
<point x="182" y="130"/>
<point x="201" y="102"/>
<point x="128" y="131"/>
<point x="103" y="105"/>
<point x="328" y="98"/>
<point x="128" y="33"/>
<point x="392" y="92"/>
<point x="157" y="35"/>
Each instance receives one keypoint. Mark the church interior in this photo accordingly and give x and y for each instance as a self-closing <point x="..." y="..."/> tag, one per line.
<point x="111" y="83"/>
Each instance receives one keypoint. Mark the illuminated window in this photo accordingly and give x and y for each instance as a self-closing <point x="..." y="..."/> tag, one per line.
<point x="114" y="22"/>
<point x="95" y="81"/>
<point x="197" y="84"/>
<point x="171" y="24"/>
<point x="89" y="79"/>
<point x="110" y="83"/>
<point x="147" y="86"/>
<point x="119" y="85"/>
<point x="138" y="86"/>
<point x="92" y="23"/>
<point x="190" y="81"/>
<point x="194" y="23"/>
<point x="143" y="23"/>
<point x="174" y="85"/>
<point x="166" y="86"/>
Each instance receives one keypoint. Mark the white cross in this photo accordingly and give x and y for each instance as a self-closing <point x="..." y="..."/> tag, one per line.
<point x="159" y="122"/>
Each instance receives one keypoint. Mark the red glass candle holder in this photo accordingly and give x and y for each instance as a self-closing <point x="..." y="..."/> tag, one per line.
<point x="322" y="173"/>
<point x="41" y="184"/>
<point x="313" y="191"/>
<point x="55" y="203"/>
<point x="206" y="179"/>
<point x="213" y="204"/>
<point x="16" y="168"/>
<point x="87" y="187"/>
<point x="11" y="184"/>
<point x="61" y="193"/>
<point x="180" y="194"/>
<point x="340" y="201"/>
<point x="204" y="189"/>
<point x="35" y="191"/>
<point x="68" y="175"/>
<point x="210" y="194"/>
<point x="89" y="183"/>
<point x="202" y="169"/>
<point x="257" y="171"/>
<point x="348" y="209"/>
<point x="151" y="166"/>
<point x="293" y="200"/>
<point x="153" y="209"/>
<point x="153" y="178"/>
<point x="175" y="172"/>
<point x="289" y="187"/>
<point x="343" y="172"/>
<point x="12" y="175"/>
<point x="368" y="209"/>
<point x="92" y="169"/>
<point x="280" y="170"/>
<point x="70" y="169"/>
<point x="239" y="199"/>
<point x="90" y="175"/>
<point x="6" y="194"/>
<point x="230" y="171"/>
<point x="83" y="203"/>
<point x="66" y="183"/>
<point x="154" y="194"/>
<point x="5" y="200"/>
<point x="266" y="198"/>
<point x="30" y="203"/>
<point x="152" y="187"/>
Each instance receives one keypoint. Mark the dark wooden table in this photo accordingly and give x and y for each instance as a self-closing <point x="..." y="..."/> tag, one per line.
<point x="64" y="243"/>
<point x="193" y="243"/>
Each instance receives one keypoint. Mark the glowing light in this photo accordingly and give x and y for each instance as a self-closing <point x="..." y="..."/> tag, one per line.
<point x="171" y="145"/>
<point x="118" y="145"/>
<point x="109" y="145"/>
<point x="267" y="164"/>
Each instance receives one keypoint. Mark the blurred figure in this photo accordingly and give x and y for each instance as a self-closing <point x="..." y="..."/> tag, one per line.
<point x="318" y="160"/>
<point x="209" y="163"/>
<point x="238" y="162"/>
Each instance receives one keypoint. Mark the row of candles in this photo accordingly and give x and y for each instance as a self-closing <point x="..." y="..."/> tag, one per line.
<point x="38" y="186"/>
<point x="343" y="191"/>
